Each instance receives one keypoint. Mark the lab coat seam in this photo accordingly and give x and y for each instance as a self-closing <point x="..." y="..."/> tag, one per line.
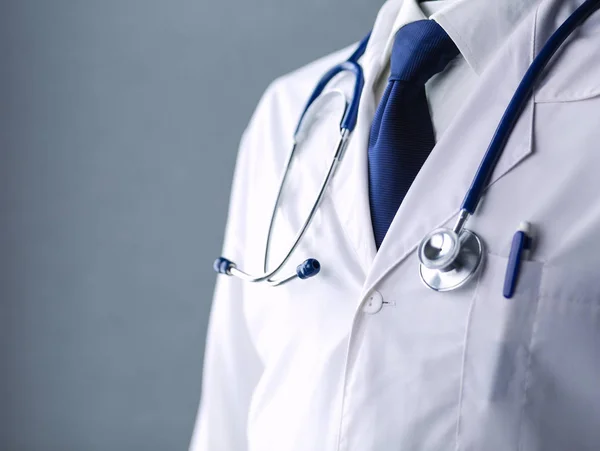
<point x="526" y="382"/>
<point x="549" y="293"/>
<point x="464" y="361"/>
<point x="587" y="303"/>
<point x="529" y="261"/>
<point x="522" y="150"/>
<point x="571" y="98"/>
<point x="505" y="257"/>
<point x="353" y="332"/>
<point x="554" y="265"/>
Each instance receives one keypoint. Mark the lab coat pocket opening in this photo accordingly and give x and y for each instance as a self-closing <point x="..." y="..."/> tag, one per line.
<point x="496" y="357"/>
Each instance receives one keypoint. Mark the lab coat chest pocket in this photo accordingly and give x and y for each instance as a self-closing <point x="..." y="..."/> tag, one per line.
<point x="562" y="398"/>
<point x="531" y="374"/>
<point x="497" y="357"/>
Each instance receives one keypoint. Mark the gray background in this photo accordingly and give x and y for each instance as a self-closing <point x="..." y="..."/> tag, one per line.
<point x="119" y="125"/>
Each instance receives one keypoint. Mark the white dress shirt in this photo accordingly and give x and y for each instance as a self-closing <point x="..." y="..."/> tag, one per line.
<point x="445" y="91"/>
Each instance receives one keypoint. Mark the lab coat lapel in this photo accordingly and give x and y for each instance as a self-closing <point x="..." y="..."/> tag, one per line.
<point x="350" y="190"/>
<point x="350" y="193"/>
<point x="437" y="193"/>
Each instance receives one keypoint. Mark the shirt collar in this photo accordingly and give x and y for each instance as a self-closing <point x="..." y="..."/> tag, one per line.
<point x="477" y="27"/>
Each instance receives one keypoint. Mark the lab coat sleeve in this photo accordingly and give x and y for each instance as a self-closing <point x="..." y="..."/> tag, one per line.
<point x="231" y="365"/>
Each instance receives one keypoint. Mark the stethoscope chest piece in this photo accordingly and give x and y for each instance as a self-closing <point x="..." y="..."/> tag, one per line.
<point x="449" y="260"/>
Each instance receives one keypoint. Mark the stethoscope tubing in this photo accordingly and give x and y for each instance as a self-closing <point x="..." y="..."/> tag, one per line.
<point x="519" y="100"/>
<point x="342" y="143"/>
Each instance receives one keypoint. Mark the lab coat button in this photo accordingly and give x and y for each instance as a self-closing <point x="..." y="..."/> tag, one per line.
<point x="373" y="303"/>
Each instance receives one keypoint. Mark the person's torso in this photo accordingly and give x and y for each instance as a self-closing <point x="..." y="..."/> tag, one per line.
<point x="364" y="356"/>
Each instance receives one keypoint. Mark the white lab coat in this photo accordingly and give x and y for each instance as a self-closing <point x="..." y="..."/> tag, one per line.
<point x="364" y="357"/>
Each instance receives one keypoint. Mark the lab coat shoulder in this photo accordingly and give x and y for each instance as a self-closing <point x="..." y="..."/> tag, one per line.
<point x="232" y="365"/>
<point x="575" y="73"/>
<point x="282" y="102"/>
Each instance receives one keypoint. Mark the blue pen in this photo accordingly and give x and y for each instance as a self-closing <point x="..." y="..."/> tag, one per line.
<point x="519" y="251"/>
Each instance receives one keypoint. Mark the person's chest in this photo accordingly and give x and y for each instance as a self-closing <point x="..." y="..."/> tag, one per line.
<point x="365" y="355"/>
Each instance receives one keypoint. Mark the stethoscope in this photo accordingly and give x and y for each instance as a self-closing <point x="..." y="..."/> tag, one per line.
<point x="449" y="257"/>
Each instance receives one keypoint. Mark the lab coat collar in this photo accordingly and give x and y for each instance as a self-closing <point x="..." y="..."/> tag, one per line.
<point x="480" y="27"/>
<point x="477" y="27"/>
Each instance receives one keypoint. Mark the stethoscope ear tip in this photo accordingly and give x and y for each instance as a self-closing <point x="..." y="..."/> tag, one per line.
<point x="222" y="266"/>
<point x="308" y="268"/>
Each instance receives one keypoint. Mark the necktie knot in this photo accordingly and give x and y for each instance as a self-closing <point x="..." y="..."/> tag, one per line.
<point x="421" y="50"/>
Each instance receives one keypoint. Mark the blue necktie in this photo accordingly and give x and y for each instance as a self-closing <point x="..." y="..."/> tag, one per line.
<point x="402" y="134"/>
